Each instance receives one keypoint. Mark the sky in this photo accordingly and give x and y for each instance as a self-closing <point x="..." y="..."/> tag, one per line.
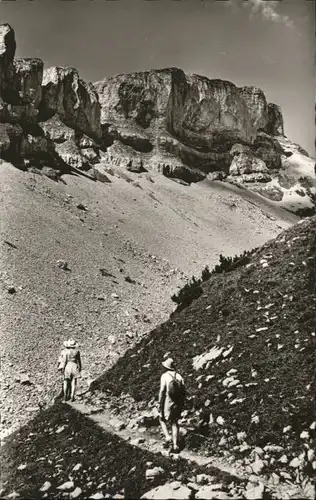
<point x="268" y="44"/>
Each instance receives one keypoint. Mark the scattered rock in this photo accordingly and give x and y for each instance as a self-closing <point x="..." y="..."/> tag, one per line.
<point x="137" y="441"/>
<point x="220" y="420"/>
<point x="46" y="486"/>
<point x="208" y="492"/>
<point x="74" y="494"/>
<point x="22" y="467"/>
<point x="81" y="206"/>
<point x="154" y="472"/>
<point x="168" y="491"/>
<point x="62" y="264"/>
<point x="60" y="429"/>
<point x="295" y="463"/>
<point x="68" y="485"/>
<point x="204" y="479"/>
<point x="304" y="435"/>
<point x="77" y="467"/>
<point x="25" y="379"/>
<point x="254" y="492"/>
<point x="257" y="466"/>
<point x="283" y="459"/>
<point x="130" y="280"/>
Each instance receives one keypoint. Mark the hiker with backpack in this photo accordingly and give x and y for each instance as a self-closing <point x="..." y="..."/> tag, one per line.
<point x="171" y="402"/>
<point x="70" y="364"/>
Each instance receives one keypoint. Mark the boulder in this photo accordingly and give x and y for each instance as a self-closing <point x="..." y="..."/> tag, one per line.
<point x="154" y="473"/>
<point x="208" y="492"/>
<point x="247" y="163"/>
<point x="168" y="491"/>
<point x="75" y="101"/>
<point x="254" y="492"/>
<point x="57" y="131"/>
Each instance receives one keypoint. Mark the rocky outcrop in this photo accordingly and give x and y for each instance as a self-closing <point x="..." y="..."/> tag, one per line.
<point x="28" y="80"/>
<point x="291" y="185"/>
<point x="75" y="101"/>
<point x="7" y="52"/>
<point x="275" y="120"/>
<point x="47" y="118"/>
<point x="257" y="106"/>
<point x="199" y="112"/>
<point x="244" y="161"/>
<point x="184" y="126"/>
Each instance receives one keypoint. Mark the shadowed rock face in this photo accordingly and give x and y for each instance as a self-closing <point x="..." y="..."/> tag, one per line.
<point x="181" y="125"/>
<point x="275" y="120"/>
<point x="28" y="78"/>
<point x="7" y="52"/>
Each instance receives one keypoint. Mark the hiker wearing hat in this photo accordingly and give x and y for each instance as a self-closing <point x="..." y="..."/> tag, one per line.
<point x="70" y="363"/>
<point x="171" y="402"/>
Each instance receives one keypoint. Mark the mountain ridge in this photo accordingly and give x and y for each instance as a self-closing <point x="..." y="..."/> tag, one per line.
<point x="184" y="126"/>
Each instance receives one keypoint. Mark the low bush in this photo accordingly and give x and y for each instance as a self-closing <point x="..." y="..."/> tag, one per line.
<point x="192" y="289"/>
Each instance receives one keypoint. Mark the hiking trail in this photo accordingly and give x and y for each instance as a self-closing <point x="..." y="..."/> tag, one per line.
<point x="144" y="440"/>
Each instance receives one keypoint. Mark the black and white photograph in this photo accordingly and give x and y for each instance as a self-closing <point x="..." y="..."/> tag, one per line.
<point x="157" y="249"/>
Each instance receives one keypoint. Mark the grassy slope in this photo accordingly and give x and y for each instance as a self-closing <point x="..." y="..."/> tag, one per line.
<point x="278" y="361"/>
<point x="126" y="224"/>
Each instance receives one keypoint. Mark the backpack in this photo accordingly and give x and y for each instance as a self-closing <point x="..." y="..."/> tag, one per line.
<point x="176" y="390"/>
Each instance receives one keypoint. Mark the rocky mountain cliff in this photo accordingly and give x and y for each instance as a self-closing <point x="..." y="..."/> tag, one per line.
<point x="184" y="126"/>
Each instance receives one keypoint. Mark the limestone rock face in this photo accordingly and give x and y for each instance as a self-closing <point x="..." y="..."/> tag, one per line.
<point x="199" y="112"/>
<point x="28" y="78"/>
<point x="212" y="113"/>
<point x="75" y="101"/>
<point x="183" y="126"/>
<point x="257" y="105"/>
<point x="7" y="52"/>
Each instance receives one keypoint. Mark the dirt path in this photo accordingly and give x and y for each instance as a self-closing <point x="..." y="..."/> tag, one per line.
<point x="146" y="441"/>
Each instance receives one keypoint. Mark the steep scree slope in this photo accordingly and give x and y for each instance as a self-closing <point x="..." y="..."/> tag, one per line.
<point x="128" y="245"/>
<point x="246" y="349"/>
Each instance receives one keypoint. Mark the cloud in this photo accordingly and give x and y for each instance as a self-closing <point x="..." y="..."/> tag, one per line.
<point x="266" y="8"/>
